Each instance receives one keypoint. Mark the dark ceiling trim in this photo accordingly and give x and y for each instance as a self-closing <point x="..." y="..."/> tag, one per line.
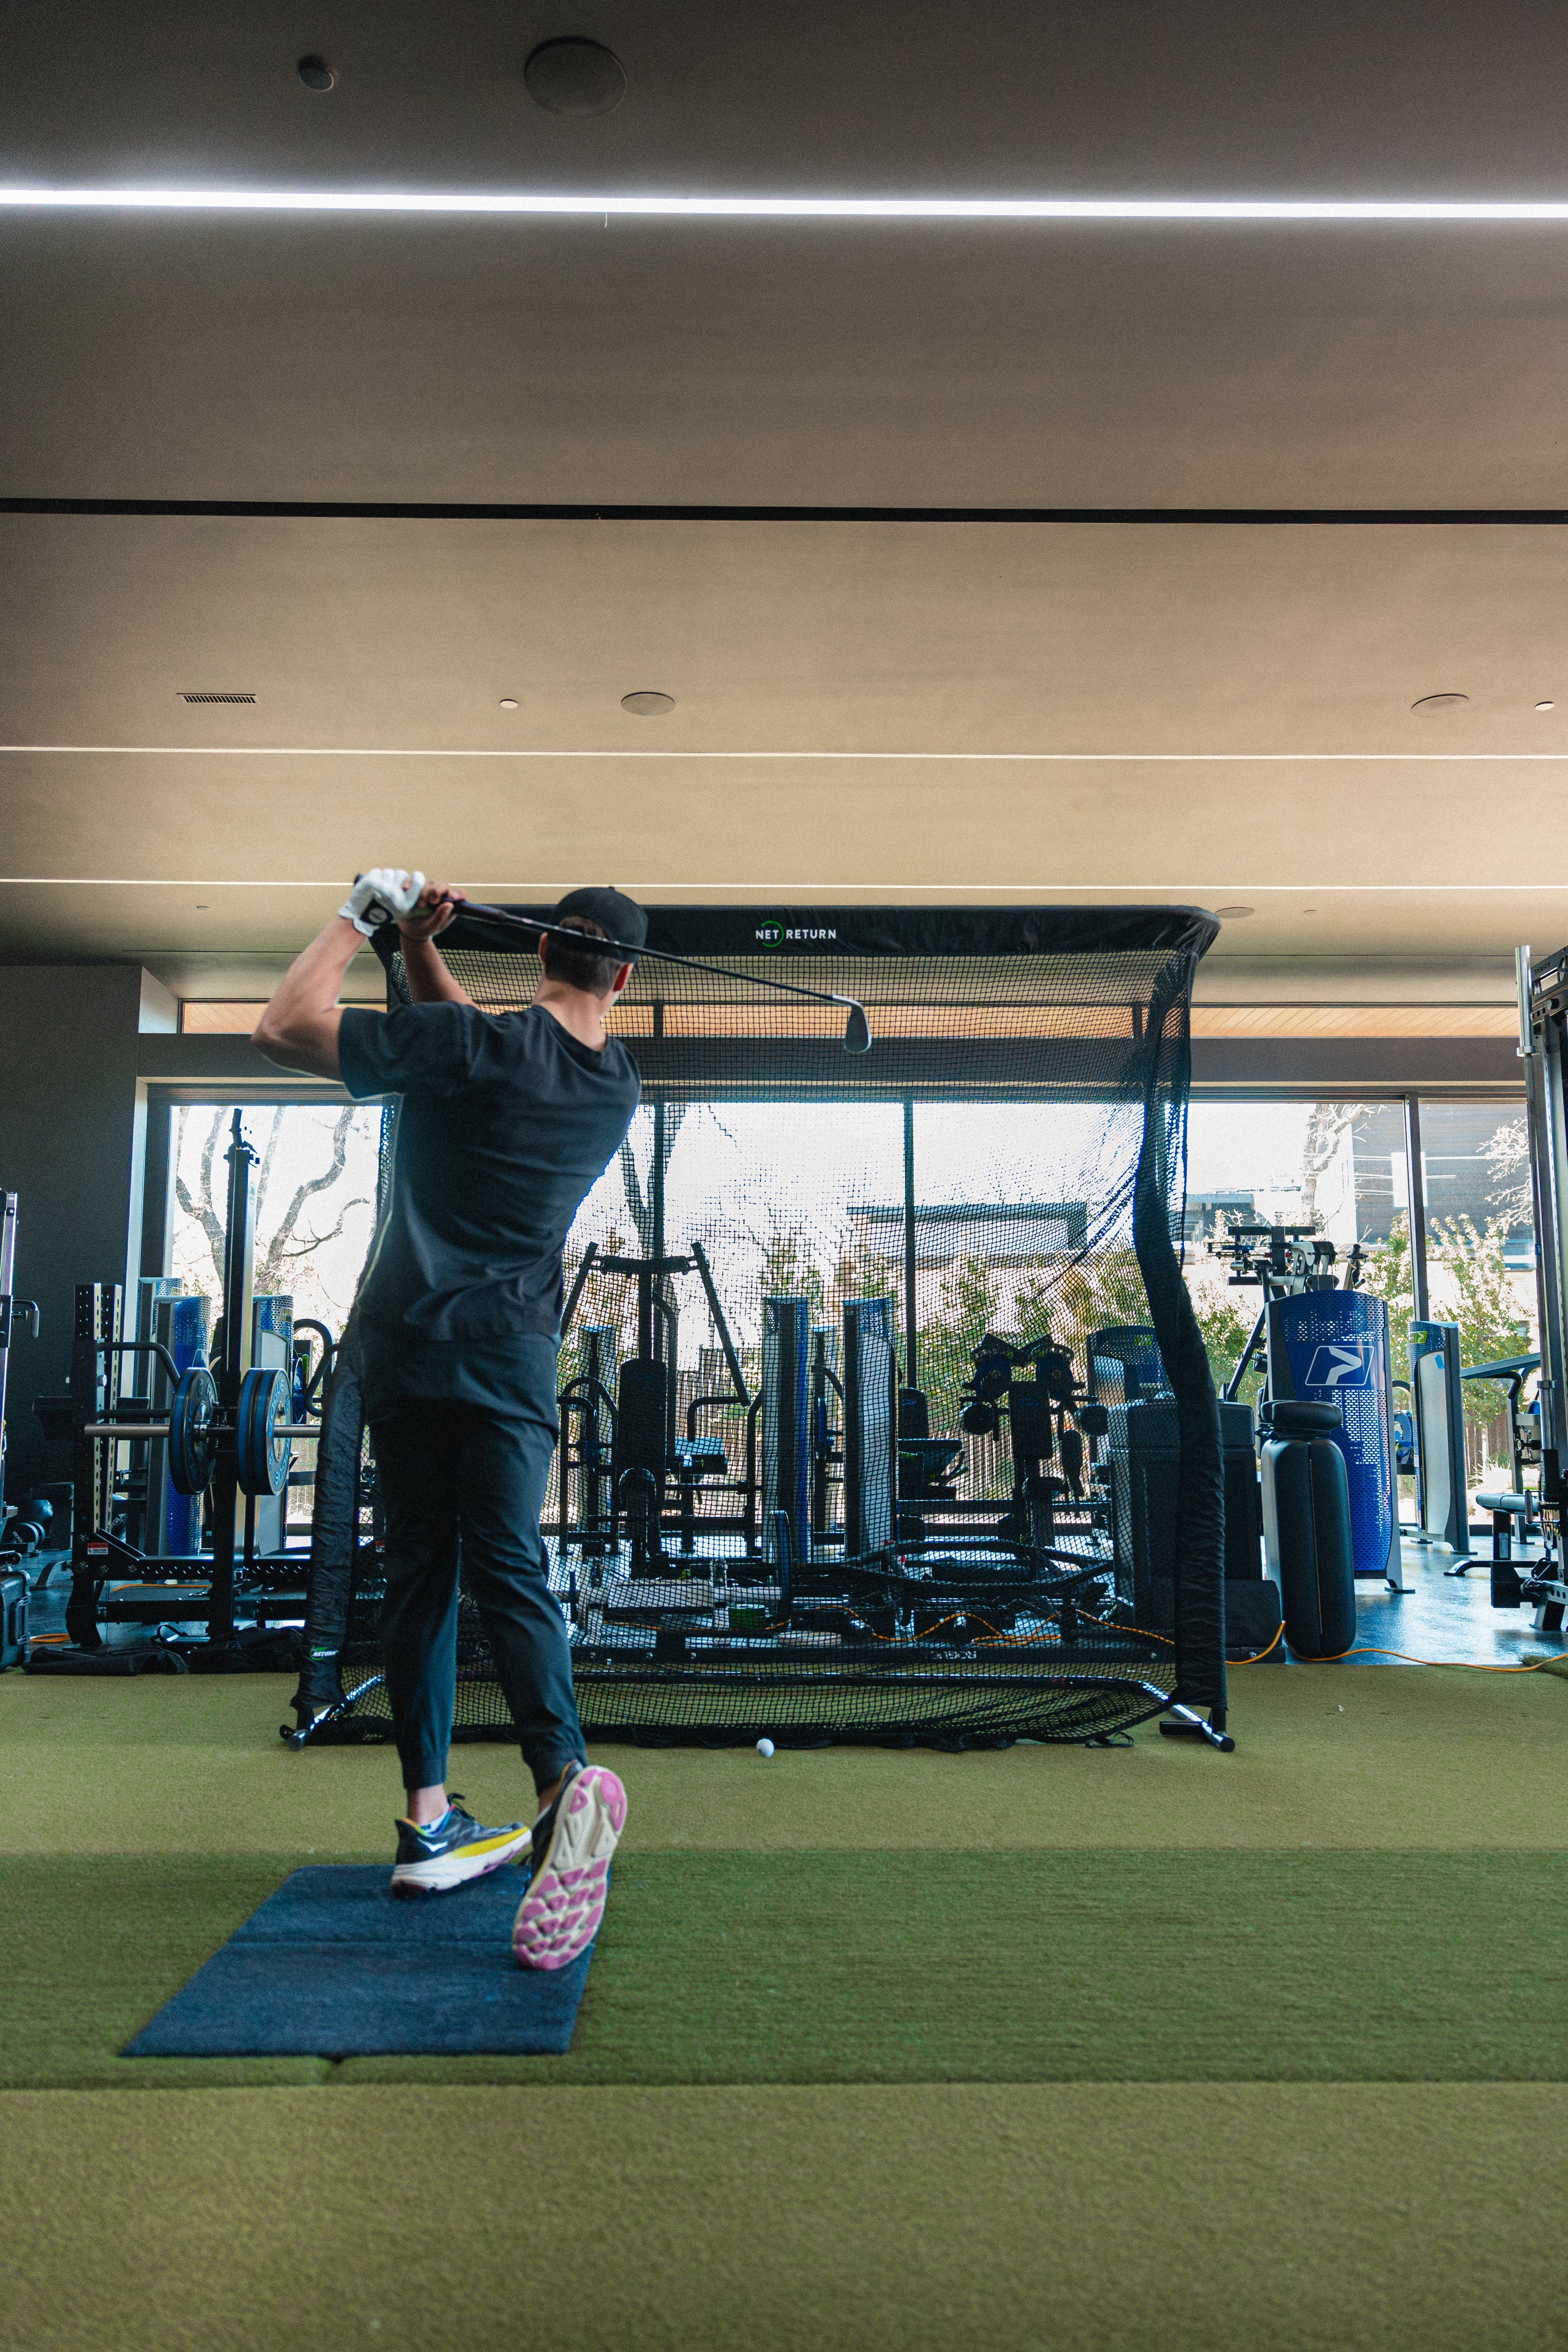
<point x="392" y="510"/>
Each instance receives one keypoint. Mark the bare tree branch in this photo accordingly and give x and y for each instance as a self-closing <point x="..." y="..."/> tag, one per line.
<point x="278" y="1253"/>
<point x="319" y="1241"/>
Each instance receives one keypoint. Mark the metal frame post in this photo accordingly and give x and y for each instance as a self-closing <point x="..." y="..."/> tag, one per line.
<point x="912" y="1330"/>
<point x="238" y="1282"/>
<point x="1416" y="1187"/>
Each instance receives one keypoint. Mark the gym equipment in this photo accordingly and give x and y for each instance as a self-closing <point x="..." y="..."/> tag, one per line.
<point x="1036" y="1407"/>
<point x="170" y="1520"/>
<point x="1324" y="1338"/>
<point x="12" y="1618"/>
<point x="870" y="1423"/>
<point x="193" y="1432"/>
<point x="10" y="1307"/>
<point x="227" y="1430"/>
<point x="973" y="1628"/>
<point x="1143" y="1464"/>
<point x="1442" y="1499"/>
<point x="262" y="1432"/>
<point x="645" y="1447"/>
<point x="1331" y="1347"/>
<point x="1307" y="1525"/>
<point x="786" y="1428"/>
<point x="1543" y="1048"/>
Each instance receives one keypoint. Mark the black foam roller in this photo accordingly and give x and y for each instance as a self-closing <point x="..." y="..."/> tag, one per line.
<point x="1307" y="1536"/>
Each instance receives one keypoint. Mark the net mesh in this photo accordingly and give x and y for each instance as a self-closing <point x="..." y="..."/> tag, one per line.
<point x="854" y="1340"/>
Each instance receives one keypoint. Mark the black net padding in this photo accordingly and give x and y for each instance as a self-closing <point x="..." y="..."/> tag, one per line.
<point x="912" y="1250"/>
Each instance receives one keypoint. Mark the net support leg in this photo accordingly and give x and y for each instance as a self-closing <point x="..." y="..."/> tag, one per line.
<point x="1191" y="1726"/>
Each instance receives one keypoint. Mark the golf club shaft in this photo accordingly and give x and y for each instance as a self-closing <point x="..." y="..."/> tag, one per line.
<point x="529" y="923"/>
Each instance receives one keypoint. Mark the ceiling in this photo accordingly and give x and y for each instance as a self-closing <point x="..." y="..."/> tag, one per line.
<point x="1211" y="710"/>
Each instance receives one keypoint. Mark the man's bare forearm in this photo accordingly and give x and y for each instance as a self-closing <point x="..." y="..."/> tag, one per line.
<point x="425" y="969"/>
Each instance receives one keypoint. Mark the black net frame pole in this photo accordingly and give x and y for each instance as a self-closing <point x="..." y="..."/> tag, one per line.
<point x="912" y="1310"/>
<point x="1200" y="1492"/>
<point x="656" y="1183"/>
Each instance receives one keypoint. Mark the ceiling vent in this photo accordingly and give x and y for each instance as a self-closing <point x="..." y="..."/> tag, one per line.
<point x="217" y="698"/>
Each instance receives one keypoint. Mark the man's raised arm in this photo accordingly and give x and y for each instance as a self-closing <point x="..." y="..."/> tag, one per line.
<point x="298" y="1030"/>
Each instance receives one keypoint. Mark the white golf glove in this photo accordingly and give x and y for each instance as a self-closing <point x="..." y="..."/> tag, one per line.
<point x="379" y="896"/>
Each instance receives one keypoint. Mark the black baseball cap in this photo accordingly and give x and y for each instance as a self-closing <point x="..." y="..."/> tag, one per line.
<point x="618" y="917"/>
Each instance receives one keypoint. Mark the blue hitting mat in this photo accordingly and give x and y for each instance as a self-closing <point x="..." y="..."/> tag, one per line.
<point x="333" y="1966"/>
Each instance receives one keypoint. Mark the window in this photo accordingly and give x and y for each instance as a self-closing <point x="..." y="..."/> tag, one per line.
<point x="222" y="1018"/>
<point x="314" y="1190"/>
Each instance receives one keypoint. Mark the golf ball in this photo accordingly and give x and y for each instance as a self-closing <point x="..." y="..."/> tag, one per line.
<point x="764" y="1746"/>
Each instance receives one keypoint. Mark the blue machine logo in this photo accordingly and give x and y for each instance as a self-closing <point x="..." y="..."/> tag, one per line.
<point x="1346" y="1364"/>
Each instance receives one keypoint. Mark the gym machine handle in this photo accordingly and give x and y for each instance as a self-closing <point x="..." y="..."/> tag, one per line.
<point x="141" y="1347"/>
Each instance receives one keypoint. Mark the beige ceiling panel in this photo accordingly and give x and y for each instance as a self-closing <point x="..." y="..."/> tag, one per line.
<point x="1156" y="96"/>
<point x="1218" y="715"/>
<point x="784" y="637"/>
<point x="748" y="364"/>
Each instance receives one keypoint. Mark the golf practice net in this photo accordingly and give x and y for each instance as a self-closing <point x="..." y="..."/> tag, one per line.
<point x="855" y="1340"/>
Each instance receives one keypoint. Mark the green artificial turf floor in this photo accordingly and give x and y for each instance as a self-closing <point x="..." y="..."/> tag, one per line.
<point x="1051" y="2047"/>
<point x="893" y="1967"/>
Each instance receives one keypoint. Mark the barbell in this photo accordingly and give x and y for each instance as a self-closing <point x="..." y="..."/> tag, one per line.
<point x="263" y="1433"/>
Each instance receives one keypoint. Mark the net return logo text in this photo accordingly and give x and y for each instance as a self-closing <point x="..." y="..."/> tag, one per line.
<point x="771" y="934"/>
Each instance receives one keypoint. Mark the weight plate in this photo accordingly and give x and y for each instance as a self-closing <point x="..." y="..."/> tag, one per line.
<point x="193" y="1440"/>
<point x="261" y="1437"/>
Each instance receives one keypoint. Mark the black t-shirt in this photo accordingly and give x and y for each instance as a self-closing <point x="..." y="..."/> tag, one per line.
<point x="506" y="1124"/>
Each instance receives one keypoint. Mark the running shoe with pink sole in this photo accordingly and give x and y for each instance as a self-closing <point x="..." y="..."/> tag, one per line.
<point x="558" y="1916"/>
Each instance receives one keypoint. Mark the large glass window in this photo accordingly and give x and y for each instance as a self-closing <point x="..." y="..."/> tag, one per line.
<point x="1342" y="1167"/>
<point x="314" y="1193"/>
<point x="783" y="1197"/>
<point x="1480" y="1257"/>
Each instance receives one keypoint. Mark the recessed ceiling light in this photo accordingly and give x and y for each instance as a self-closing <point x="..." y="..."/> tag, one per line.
<point x="1546" y="706"/>
<point x="1439" y="701"/>
<point x="1308" y="910"/>
<point x="647" y="704"/>
<point x="316" y="73"/>
<point x="574" y="76"/>
<point x="509" y="702"/>
<point x="1233" y="914"/>
<point x="202" y="907"/>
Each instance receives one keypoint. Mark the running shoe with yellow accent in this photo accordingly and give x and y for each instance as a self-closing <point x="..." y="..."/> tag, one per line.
<point x="558" y="1916"/>
<point x="448" y="1853"/>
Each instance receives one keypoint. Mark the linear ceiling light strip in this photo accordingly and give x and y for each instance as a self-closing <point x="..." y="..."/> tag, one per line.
<point x="757" y="207"/>
<point x="1043" y="759"/>
<point x="1157" y="892"/>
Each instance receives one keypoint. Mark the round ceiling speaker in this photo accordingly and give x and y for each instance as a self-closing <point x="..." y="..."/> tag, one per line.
<point x="1233" y="914"/>
<point x="316" y="73"/>
<point x="1440" y="703"/>
<point x="574" y="76"/>
<point x="645" y="704"/>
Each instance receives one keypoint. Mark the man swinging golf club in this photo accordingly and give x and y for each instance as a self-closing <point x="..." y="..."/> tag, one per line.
<point x="508" y="1121"/>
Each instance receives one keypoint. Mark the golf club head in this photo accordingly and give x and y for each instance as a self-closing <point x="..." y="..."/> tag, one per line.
<point x="856" y="1031"/>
